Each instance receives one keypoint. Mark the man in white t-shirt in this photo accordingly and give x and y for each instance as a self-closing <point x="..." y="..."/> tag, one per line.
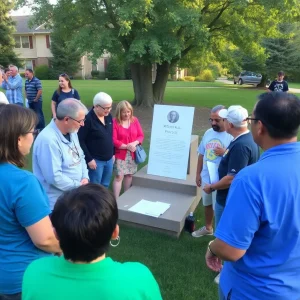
<point x="3" y="99"/>
<point x="212" y="147"/>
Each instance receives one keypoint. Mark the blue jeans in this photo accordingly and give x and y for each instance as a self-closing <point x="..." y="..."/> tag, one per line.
<point x="37" y="108"/>
<point x="11" y="297"/>
<point x="103" y="172"/>
<point x="218" y="213"/>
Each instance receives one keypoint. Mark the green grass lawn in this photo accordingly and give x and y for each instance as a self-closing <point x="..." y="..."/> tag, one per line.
<point x="189" y="93"/>
<point x="177" y="264"/>
<point x="294" y="85"/>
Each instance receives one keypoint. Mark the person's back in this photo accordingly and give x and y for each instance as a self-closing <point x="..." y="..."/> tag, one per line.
<point x="105" y="279"/>
<point x="85" y="221"/>
<point x="259" y="233"/>
<point x="271" y="266"/>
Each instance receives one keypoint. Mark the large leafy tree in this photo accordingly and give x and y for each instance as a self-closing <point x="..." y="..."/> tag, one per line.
<point x="7" y="54"/>
<point x="165" y="31"/>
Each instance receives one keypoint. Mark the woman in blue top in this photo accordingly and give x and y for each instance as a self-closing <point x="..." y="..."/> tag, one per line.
<point x="26" y="230"/>
<point x="64" y="91"/>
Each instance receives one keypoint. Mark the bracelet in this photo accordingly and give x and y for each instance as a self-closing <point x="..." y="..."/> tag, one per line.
<point x="212" y="253"/>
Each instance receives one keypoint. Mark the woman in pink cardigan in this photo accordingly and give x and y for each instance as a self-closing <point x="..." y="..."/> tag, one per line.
<point x="127" y="134"/>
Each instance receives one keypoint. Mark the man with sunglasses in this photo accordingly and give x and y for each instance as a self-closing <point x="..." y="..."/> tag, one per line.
<point x="58" y="160"/>
<point x="211" y="149"/>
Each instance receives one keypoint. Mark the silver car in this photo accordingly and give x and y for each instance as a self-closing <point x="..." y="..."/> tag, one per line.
<point x="247" y="77"/>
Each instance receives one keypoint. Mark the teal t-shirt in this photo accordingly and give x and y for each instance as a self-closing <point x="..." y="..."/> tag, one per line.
<point x="23" y="202"/>
<point x="56" y="278"/>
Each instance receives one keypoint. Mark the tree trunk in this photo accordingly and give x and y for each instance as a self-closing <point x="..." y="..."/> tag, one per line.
<point x="263" y="82"/>
<point x="145" y="93"/>
<point x="159" y="86"/>
<point x="142" y="85"/>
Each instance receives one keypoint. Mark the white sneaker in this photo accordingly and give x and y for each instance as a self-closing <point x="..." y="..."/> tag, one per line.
<point x="202" y="232"/>
<point x="217" y="279"/>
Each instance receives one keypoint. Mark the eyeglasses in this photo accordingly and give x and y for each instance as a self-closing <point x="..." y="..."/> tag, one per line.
<point x="105" y="108"/>
<point x="78" y="121"/>
<point x="64" y="74"/>
<point x="216" y="120"/>
<point x="249" y="119"/>
<point x="34" y="132"/>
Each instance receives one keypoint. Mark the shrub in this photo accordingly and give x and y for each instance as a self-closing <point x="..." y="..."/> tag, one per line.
<point x="206" y="75"/>
<point x="115" y="69"/>
<point x="189" y="78"/>
<point x="42" y="72"/>
<point x="180" y="79"/>
<point x="95" y="74"/>
<point x="22" y="74"/>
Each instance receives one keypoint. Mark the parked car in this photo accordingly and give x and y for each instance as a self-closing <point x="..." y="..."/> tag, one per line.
<point x="247" y="77"/>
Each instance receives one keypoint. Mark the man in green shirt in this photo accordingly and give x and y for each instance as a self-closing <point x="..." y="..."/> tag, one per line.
<point x="85" y="220"/>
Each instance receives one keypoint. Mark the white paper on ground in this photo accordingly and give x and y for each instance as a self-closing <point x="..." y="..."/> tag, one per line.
<point x="213" y="172"/>
<point x="154" y="209"/>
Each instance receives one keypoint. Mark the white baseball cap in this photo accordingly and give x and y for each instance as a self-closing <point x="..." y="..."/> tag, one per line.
<point x="235" y="114"/>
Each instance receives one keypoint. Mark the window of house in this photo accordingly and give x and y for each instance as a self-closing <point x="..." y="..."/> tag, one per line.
<point x="22" y="42"/>
<point x="28" y="64"/>
<point x="17" y="42"/>
<point x="25" y="41"/>
<point x="94" y="67"/>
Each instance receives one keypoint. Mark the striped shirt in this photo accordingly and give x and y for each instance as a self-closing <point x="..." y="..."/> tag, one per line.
<point x="32" y="87"/>
<point x="13" y="88"/>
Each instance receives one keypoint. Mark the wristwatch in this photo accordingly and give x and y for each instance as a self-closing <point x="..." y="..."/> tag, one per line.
<point x="211" y="189"/>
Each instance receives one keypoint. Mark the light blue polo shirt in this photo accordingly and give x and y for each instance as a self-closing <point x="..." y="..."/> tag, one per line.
<point x="262" y="216"/>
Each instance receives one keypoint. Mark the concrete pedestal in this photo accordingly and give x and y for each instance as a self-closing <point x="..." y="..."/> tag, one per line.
<point x="183" y="195"/>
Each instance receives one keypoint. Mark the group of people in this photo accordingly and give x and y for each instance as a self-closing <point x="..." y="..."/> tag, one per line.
<point x="256" y="200"/>
<point x="58" y="223"/>
<point x="74" y="157"/>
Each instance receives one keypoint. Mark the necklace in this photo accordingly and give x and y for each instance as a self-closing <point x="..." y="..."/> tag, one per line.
<point x="74" y="150"/>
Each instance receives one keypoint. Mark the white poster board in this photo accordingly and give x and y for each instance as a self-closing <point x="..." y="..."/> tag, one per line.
<point x="170" y="141"/>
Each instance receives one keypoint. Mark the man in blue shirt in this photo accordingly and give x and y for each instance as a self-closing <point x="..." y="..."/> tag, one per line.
<point x="33" y="92"/>
<point x="13" y="86"/>
<point x="58" y="160"/>
<point x="259" y="233"/>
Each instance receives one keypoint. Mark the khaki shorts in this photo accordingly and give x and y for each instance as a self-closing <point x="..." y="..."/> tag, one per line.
<point x="209" y="199"/>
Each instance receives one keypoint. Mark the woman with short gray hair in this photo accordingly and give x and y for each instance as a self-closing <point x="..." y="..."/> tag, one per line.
<point x="96" y="140"/>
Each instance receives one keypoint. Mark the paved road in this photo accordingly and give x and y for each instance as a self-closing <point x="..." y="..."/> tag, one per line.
<point x="224" y="80"/>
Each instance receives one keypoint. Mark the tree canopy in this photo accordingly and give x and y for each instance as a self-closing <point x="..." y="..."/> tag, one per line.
<point x="165" y="32"/>
<point x="7" y="54"/>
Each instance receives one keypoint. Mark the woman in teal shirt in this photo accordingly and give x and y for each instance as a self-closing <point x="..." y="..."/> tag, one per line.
<point x="26" y="230"/>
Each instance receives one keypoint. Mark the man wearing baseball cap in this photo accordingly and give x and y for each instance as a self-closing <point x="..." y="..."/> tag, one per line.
<point x="241" y="152"/>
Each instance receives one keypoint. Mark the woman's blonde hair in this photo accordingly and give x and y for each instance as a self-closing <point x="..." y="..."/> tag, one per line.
<point x="121" y="106"/>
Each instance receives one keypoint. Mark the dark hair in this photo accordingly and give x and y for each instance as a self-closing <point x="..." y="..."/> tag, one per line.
<point x="84" y="219"/>
<point x="280" y="114"/>
<point x="280" y="73"/>
<point x="14" y="122"/>
<point x="6" y="70"/>
<point x="29" y="70"/>
<point x="65" y="76"/>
